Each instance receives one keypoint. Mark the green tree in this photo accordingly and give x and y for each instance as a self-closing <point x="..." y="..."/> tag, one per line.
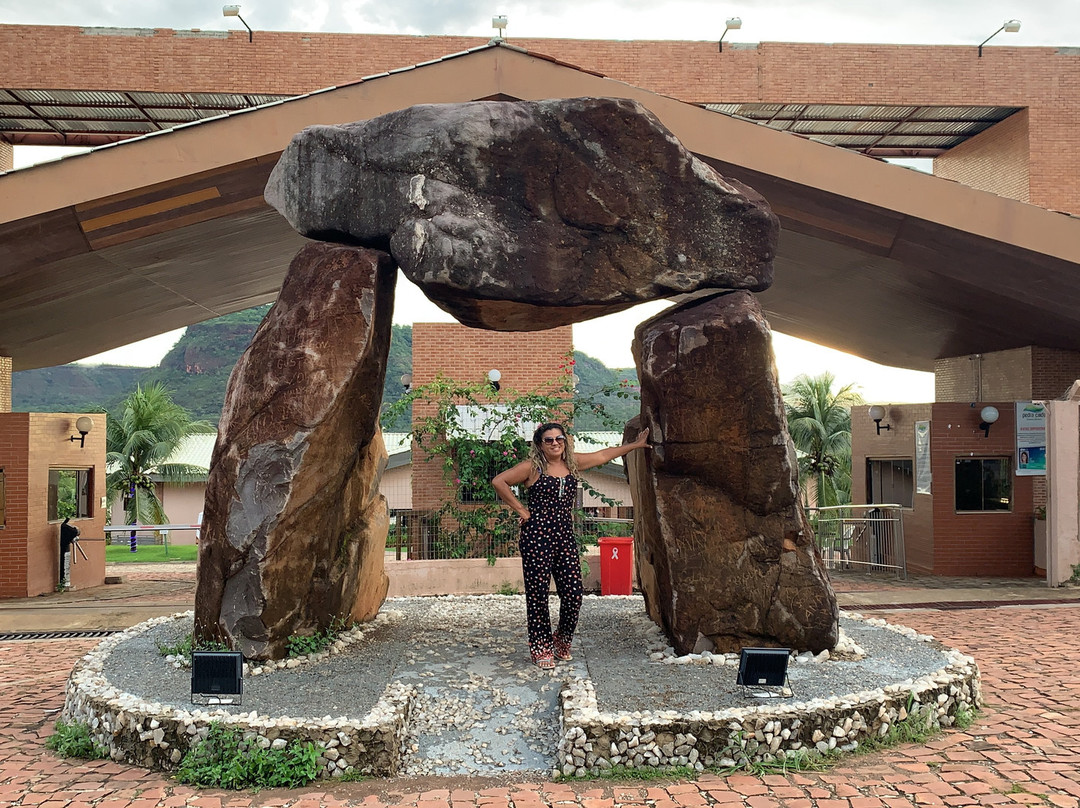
<point x="819" y="420"/>
<point x="140" y="438"/>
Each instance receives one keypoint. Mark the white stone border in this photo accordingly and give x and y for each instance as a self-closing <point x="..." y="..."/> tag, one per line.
<point x="157" y="736"/>
<point x="736" y="737"/>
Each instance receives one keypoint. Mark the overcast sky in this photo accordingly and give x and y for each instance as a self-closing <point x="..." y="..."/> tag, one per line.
<point x="1044" y="22"/>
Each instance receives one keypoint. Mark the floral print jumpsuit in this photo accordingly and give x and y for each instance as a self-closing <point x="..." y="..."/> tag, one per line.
<point x="549" y="549"/>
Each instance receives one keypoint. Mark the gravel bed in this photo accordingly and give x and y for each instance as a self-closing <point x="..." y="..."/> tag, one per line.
<point x="616" y="636"/>
<point x="480" y="707"/>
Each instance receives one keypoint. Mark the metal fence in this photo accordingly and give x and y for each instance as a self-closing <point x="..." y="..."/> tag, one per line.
<point x="429" y="535"/>
<point x="861" y="537"/>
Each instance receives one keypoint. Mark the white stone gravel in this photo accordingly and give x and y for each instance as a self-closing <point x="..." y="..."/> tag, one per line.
<point x="440" y="686"/>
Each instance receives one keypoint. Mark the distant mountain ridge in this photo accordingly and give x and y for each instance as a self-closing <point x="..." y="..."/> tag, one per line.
<point x="197" y="370"/>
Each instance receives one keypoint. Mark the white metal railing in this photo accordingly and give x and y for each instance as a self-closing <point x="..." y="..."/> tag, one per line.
<point x="865" y="537"/>
<point x="423" y="535"/>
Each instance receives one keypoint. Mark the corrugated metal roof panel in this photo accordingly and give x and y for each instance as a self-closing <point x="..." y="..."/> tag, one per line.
<point x="941" y="127"/>
<point x="172" y="115"/>
<point x="160" y="99"/>
<point x="15" y="111"/>
<point x="76" y="97"/>
<point x="217" y="100"/>
<point x="139" y="127"/>
<point x="866" y="127"/>
<point x="853" y="112"/>
<point x="79" y="113"/>
<point x="258" y="100"/>
<point x="24" y="125"/>
<point x="920" y="142"/>
<point x="852" y="141"/>
<point x="941" y="113"/>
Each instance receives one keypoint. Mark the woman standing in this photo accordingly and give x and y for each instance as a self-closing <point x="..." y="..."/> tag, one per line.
<point x="548" y="547"/>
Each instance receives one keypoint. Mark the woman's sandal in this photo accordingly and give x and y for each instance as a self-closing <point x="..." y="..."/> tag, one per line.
<point x="544" y="661"/>
<point x="562" y="648"/>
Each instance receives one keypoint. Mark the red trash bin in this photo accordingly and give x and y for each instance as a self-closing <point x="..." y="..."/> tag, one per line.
<point x="616" y="565"/>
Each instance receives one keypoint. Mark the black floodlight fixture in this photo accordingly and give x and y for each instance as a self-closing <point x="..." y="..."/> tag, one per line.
<point x="763" y="667"/>
<point x="217" y="677"/>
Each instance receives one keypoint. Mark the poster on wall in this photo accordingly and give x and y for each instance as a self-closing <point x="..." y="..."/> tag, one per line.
<point x="1030" y="439"/>
<point x="922" y="457"/>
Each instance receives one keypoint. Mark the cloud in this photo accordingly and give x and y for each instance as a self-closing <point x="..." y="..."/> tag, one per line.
<point x="1045" y="22"/>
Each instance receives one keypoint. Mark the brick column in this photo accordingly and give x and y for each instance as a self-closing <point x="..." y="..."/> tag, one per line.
<point x="7" y="155"/>
<point x="5" y="384"/>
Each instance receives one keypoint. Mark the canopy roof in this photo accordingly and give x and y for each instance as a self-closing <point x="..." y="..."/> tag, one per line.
<point x="154" y="233"/>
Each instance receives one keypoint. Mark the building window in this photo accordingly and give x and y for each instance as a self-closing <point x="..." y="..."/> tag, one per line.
<point x="69" y="494"/>
<point x="3" y="501"/>
<point x="983" y="484"/>
<point x="890" y="482"/>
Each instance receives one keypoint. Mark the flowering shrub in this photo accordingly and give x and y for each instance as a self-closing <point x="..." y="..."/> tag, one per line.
<point x="477" y="431"/>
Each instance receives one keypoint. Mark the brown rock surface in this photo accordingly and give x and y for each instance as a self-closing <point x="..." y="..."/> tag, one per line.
<point x="520" y="216"/>
<point x="294" y="525"/>
<point x="725" y="555"/>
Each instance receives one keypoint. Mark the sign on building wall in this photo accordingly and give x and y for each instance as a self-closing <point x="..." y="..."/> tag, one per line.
<point x="922" y="457"/>
<point x="1030" y="439"/>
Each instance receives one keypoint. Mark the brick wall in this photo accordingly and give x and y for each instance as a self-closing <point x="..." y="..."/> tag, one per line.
<point x="898" y="442"/>
<point x="997" y="160"/>
<point x="997" y="376"/>
<point x="528" y="361"/>
<point x="1053" y="370"/>
<point x="998" y="543"/>
<point x="5" y="384"/>
<point x="30" y="445"/>
<point x="14" y="435"/>
<point x="1041" y="80"/>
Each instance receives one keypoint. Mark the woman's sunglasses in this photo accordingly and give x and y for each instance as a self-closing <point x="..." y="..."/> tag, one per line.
<point x="553" y="441"/>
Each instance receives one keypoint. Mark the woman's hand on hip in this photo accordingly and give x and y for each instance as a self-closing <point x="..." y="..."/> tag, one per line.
<point x="523" y="517"/>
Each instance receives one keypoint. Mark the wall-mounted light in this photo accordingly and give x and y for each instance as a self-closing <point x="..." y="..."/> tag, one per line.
<point x="877" y="414"/>
<point x="988" y="415"/>
<point x="731" y="24"/>
<point x="83" y="426"/>
<point x="406" y="381"/>
<point x="493" y="379"/>
<point x="234" y="11"/>
<point x="499" y="24"/>
<point x="1009" y="27"/>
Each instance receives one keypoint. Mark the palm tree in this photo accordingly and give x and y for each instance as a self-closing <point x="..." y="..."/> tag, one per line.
<point x="819" y="421"/>
<point x="139" y="441"/>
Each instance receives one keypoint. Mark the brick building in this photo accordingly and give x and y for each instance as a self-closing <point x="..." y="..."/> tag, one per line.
<point x="904" y="270"/>
<point x="36" y="451"/>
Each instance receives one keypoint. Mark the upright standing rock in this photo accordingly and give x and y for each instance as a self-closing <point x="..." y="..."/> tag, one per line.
<point x="725" y="555"/>
<point x="294" y="525"/>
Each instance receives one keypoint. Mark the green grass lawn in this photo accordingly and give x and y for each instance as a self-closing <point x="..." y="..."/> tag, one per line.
<point x="121" y="554"/>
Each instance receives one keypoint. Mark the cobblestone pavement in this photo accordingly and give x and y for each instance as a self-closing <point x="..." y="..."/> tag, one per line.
<point x="1023" y="749"/>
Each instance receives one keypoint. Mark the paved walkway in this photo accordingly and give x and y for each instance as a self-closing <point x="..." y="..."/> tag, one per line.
<point x="1023" y="750"/>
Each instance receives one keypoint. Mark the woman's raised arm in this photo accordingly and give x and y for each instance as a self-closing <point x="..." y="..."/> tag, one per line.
<point x="588" y="460"/>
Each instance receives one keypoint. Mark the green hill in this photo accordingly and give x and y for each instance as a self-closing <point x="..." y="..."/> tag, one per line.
<point x="197" y="370"/>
